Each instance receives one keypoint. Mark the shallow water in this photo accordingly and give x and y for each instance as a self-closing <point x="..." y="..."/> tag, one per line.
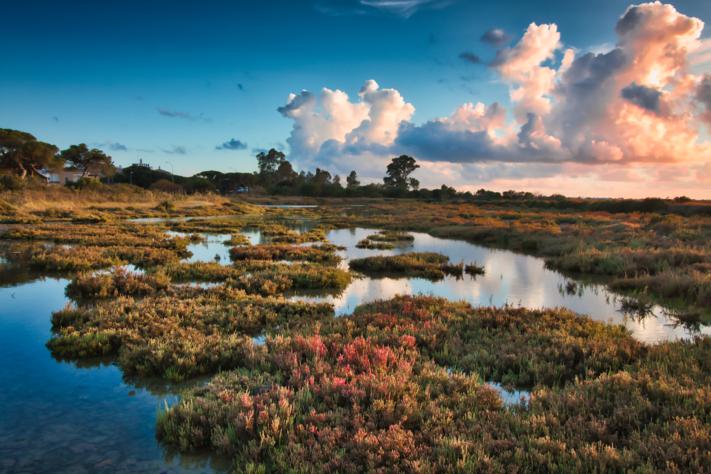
<point x="211" y="249"/>
<point x="57" y="417"/>
<point x="511" y="397"/>
<point x="509" y="279"/>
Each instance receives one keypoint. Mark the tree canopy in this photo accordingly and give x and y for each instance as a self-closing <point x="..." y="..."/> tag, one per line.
<point x="398" y="173"/>
<point x="88" y="160"/>
<point x="268" y="163"/>
<point x="23" y="154"/>
<point x="352" y="180"/>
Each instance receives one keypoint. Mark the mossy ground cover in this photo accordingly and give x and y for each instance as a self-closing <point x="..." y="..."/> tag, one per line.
<point x="376" y="392"/>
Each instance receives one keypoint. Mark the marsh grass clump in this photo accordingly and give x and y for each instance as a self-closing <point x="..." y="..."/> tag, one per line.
<point x="281" y="234"/>
<point x="386" y="240"/>
<point x="691" y="289"/>
<point x="64" y="258"/>
<point x="280" y="278"/>
<point x="417" y="264"/>
<point x="61" y="258"/>
<point x="322" y="253"/>
<point x="190" y="332"/>
<point x="264" y="277"/>
<point x="370" y="244"/>
<point x="516" y="347"/>
<point x="473" y="269"/>
<point x="118" y="282"/>
<point x="391" y="236"/>
<point x="296" y="411"/>
<point x="237" y="240"/>
<point x="99" y="235"/>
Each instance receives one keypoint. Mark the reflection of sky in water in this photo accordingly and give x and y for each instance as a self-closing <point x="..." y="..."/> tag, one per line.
<point x="510" y="278"/>
<point x="206" y="251"/>
<point x="511" y="397"/>
<point x="58" y="417"/>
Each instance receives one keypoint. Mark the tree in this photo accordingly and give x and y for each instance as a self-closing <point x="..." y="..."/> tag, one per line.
<point x="268" y="163"/>
<point x="285" y="174"/>
<point x="88" y="161"/>
<point x="398" y="173"/>
<point x="22" y="153"/>
<point x="321" y="177"/>
<point x="352" y="180"/>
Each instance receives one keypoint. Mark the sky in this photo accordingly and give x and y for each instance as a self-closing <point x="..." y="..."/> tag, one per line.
<point x="590" y="98"/>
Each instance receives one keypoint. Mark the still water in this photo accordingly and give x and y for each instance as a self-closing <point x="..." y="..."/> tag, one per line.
<point x="509" y="279"/>
<point x="58" y="417"/>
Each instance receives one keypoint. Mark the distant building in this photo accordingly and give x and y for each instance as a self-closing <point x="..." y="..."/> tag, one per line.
<point x="141" y="164"/>
<point x="68" y="176"/>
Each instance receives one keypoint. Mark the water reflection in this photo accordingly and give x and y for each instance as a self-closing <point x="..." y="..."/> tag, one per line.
<point x="60" y="417"/>
<point x="509" y="279"/>
<point x="511" y="397"/>
<point x="211" y="249"/>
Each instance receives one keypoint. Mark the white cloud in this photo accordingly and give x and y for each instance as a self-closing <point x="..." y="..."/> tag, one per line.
<point x="636" y="102"/>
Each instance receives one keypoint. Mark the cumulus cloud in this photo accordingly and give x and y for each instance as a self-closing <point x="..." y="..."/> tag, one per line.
<point x="232" y="144"/>
<point x="635" y="102"/>
<point x="522" y="67"/>
<point x="328" y="124"/>
<point x="704" y="97"/>
<point x="646" y="97"/>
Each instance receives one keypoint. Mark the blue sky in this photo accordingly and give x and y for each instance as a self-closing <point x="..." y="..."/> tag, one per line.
<point x="170" y="81"/>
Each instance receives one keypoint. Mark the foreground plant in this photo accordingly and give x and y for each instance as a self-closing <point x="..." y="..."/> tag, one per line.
<point x="363" y="393"/>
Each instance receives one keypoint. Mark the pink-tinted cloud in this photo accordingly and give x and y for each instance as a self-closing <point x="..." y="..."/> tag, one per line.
<point x="636" y="106"/>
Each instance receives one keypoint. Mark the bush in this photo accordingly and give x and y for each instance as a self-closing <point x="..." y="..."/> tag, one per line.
<point x="11" y="183"/>
<point x="167" y="186"/>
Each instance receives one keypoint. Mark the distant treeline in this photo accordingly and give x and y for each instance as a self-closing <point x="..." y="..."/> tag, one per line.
<point x="23" y="159"/>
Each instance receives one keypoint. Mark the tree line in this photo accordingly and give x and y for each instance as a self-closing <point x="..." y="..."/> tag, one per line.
<point x="23" y="156"/>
